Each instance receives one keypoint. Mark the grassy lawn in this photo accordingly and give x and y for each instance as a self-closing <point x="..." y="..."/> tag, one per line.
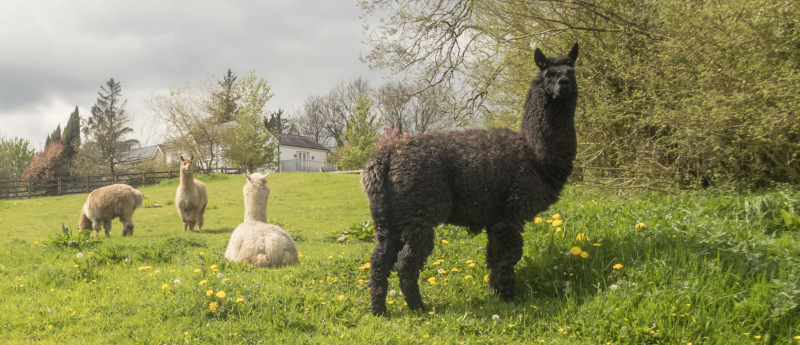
<point x="702" y="268"/>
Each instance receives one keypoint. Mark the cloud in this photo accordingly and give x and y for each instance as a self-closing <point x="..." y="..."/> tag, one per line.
<point x="58" y="53"/>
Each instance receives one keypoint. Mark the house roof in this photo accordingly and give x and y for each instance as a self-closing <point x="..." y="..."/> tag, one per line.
<point x="300" y="141"/>
<point x="138" y="155"/>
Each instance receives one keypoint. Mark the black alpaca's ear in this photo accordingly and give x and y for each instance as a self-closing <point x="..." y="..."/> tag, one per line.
<point x="539" y="58"/>
<point x="573" y="54"/>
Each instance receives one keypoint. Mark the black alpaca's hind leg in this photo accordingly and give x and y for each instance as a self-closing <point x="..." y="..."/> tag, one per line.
<point x="418" y="245"/>
<point x="383" y="258"/>
<point x="503" y="252"/>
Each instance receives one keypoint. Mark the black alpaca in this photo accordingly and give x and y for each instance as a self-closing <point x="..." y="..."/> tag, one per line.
<point x="494" y="180"/>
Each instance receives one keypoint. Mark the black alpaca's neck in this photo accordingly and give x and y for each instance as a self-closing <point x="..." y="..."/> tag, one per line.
<point x="549" y="126"/>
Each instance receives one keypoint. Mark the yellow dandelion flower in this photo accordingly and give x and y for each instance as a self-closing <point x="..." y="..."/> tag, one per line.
<point x="584" y="255"/>
<point x="640" y="225"/>
<point x="580" y="237"/>
<point x="209" y="292"/>
<point x="537" y="220"/>
<point x="221" y="294"/>
<point x="558" y="229"/>
<point x="213" y="306"/>
<point x="197" y="270"/>
<point x="549" y="221"/>
<point x="468" y="262"/>
<point x="617" y="266"/>
<point x="341" y="297"/>
<point x="165" y="286"/>
<point x="597" y="244"/>
<point x="213" y="267"/>
<point x="424" y="335"/>
<point x="471" y="264"/>
<point x="557" y="222"/>
<point x="432" y="281"/>
<point x="454" y="269"/>
<point x="557" y="216"/>
<point x="486" y="278"/>
<point x="445" y="241"/>
<point x="240" y="300"/>
<point x="202" y="282"/>
<point x="469" y="276"/>
<point x="575" y="250"/>
<point x="330" y="257"/>
<point x="756" y="337"/>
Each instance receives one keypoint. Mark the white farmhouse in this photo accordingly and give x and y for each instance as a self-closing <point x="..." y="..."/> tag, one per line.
<point x="299" y="153"/>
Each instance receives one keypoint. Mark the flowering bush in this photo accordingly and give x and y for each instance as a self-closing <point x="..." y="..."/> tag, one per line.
<point x="390" y="135"/>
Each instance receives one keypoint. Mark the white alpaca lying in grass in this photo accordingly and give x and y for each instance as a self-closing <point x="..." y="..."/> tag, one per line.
<point x="255" y="241"/>
<point x="107" y="203"/>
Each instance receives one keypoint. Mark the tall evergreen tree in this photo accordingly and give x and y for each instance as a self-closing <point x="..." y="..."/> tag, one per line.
<point x="54" y="137"/>
<point x="223" y="105"/>
<point x="71" y="138"/>
<point x="276" y="124"/>
<point x="108" y="125"/>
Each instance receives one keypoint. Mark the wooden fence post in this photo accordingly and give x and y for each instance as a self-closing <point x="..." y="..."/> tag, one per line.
<point x="87" y="184"/>
<point x="59" y="185"/>
<point x="29" y="188"/>
<point x="144" y="178"/>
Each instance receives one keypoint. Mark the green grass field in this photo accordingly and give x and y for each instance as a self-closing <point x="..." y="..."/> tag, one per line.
<point x="701" y="268"/>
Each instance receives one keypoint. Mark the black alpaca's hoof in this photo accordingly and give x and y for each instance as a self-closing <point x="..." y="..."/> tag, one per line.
<point x="379" y="311"/>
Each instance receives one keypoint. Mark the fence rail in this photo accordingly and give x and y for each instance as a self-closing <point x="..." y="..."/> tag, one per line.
<point x="86" y="184"/>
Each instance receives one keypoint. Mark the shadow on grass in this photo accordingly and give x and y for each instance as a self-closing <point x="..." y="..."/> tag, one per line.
<point x="226" y="230"/>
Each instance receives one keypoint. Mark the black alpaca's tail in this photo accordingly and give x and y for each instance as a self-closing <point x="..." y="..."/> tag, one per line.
<point x="376" y="184"/>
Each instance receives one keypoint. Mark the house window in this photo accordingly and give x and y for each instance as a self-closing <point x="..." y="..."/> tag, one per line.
<point x="302" y="155"/>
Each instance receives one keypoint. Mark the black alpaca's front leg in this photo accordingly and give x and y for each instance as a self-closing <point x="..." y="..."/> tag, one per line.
<point x="503" y="252"/>
<point x="383" y="258"/>
<point x="418" y="246"/>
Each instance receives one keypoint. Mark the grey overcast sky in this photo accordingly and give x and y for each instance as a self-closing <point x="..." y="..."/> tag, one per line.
<point x="54" y="55"/>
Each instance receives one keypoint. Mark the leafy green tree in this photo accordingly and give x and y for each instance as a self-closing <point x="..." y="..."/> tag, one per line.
<point x="361" y="134"/>
<point x="15" y="156"/>
<point x="108" y="125"/>
<point x="671" y="92"/>
<point x="249" y="144"/>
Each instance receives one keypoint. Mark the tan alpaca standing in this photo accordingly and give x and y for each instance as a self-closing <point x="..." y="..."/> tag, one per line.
<point x="107" y="203"/>
<point x="255" y="241"/>
<point x="191" y="198"/>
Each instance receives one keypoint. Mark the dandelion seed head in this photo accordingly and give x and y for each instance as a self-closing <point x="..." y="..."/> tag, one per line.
<point x="176" y="281"/>
<point x="79" y="255"/>
<point x="613" y="287"/>
<point x="495" y="317"/>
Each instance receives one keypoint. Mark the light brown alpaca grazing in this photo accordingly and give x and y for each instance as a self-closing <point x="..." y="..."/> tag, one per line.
<point x="191" y="198"/>
<point x="109" y="202"/>
<point x="255" y="241"/>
